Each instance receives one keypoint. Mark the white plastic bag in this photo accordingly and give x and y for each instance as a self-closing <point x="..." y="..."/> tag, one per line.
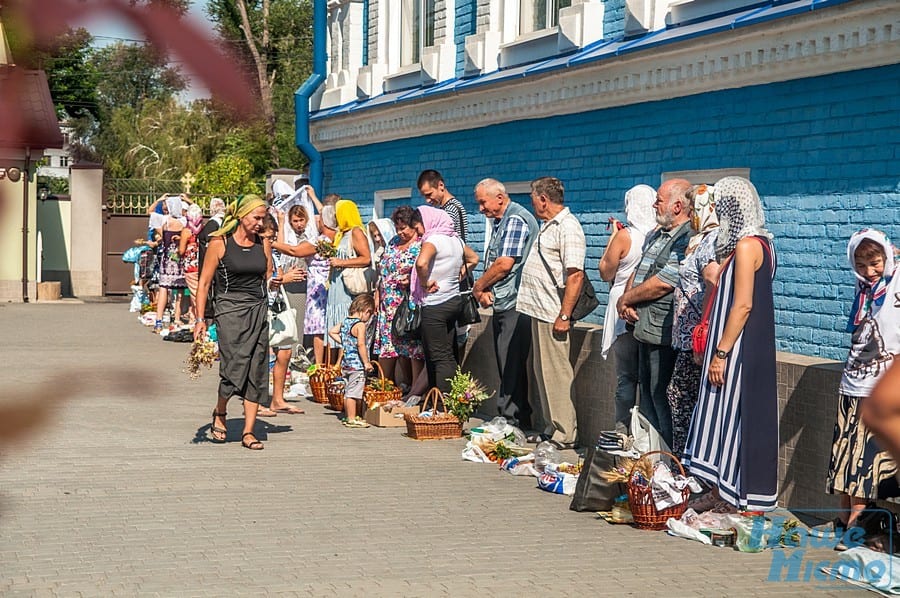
<point x="646" y="438"/>
<point x="474" y="453"/>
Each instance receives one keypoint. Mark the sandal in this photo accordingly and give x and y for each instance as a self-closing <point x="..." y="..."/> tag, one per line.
<point x="265" y="412"/>
<point x="218" y="434"/>
<point x="255" y="445"/>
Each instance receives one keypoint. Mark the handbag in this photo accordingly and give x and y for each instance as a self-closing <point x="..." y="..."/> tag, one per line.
<point x="468" y="311"/>
<point x="407" y="320"/>
<point x="593" y="492"/>
<point x="282" y="322"/>
<point x="587" y="298"/>
<point x="360" y="280"/>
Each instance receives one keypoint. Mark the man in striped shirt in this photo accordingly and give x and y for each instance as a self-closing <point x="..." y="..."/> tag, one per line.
<point x="431" y="186"/>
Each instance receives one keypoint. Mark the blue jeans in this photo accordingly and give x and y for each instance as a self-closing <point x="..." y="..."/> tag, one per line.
<point x="655" y="366"/>
<point x="625" y="350"/>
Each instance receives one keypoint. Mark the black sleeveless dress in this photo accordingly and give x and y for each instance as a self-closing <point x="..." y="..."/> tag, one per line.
<point x="242" y="323"/>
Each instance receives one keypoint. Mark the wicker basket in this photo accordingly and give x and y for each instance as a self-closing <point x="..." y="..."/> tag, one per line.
<point x="437" y="427"/>
<point x="640" y="499"/>
<point x="373" y="395"/>
<point x="322" y="376"/>
<point x="334" y="391"/>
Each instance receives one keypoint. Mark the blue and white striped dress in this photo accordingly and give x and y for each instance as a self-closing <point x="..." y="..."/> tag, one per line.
<point x="733" y="439"/>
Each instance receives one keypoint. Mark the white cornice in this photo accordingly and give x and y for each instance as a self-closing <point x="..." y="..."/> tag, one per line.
<point x="853" y="36"/>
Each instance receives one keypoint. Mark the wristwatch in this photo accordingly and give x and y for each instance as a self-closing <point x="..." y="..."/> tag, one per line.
<point x="722" y="354"/>
<point x="564" y="317"/>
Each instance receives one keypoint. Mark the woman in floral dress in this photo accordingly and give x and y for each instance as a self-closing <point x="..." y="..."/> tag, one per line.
<point x="318" y="267"/>
<point x="393" y="285"/>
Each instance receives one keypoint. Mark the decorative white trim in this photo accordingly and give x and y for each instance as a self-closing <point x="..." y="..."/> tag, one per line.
<point x="388" y="195"/>
<point x="518" y="188"/>
<point x="857" y="35"/>
<point x="708" y="176"/>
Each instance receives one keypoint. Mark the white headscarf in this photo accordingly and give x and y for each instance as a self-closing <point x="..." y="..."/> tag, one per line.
<point x="703" y="215"/>
<point x="740" y="214"/>
<point x="639" y="211"/>
<point x="865" y="289"/>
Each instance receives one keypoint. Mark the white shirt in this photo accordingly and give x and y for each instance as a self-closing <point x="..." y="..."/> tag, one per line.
<point x="448" y="260"/>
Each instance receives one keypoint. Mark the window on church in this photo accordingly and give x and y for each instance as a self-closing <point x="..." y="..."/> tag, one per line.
<point x="535" y="15"/>
<point x="417" y="19"/>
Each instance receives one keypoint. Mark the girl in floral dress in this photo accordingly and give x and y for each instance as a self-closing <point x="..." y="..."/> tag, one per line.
<point x="318" y="267"/>
<point x="393" y="285"/>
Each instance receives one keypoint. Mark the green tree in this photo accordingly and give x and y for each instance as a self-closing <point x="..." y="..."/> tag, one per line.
<point x="130" y="74"/>
<point x="275" y="41"/>
<point x="226" y="175"/>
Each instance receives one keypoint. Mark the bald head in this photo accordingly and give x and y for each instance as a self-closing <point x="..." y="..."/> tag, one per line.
<point x="672" y="205"/>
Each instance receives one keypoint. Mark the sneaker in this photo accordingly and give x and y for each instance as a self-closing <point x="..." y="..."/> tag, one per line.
<point x="360" y="423"/>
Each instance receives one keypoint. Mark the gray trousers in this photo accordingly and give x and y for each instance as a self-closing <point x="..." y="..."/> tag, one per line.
<point x="512" y="340"/>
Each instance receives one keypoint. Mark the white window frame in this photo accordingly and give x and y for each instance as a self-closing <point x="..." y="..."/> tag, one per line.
<point x="417" y="43"/>
<point x="705" y="177"/>
<point x="551" y="15"/>
<point x="389" y="195"/>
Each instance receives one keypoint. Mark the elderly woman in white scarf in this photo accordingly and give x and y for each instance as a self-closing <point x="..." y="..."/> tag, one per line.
<point x="698" y="274"/>
<point x="621" y="257"/>
<point x="171" y="272"/>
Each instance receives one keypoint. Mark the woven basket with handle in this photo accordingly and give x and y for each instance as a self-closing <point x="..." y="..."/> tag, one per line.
<point x="640" y="499"/>
<point x="437" y="427"/>
<point x="321" y="377"/>
<point x="373" y="395"/>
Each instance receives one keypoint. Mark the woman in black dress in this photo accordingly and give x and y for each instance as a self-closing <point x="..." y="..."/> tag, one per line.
<point x="241" y="263"/>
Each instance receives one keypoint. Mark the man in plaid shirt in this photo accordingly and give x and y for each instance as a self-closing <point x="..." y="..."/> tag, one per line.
<point x="513" y="231"/>
<point x="431" y="186"/>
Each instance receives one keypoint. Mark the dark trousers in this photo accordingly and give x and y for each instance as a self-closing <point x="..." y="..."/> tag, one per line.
<point x="625" y="349"/>
<point x="439" y="341"/>
<point x="655" y="366"/>
<point x="512" y="340"/>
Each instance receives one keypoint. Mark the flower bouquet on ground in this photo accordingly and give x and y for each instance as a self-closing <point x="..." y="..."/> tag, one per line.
<point x="203" y="353"/>
<point x="381" y="390"/>
<point x="466" y="394"/>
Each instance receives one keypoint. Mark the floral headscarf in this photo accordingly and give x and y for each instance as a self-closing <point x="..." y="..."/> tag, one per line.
<point x="869" y="294"/>
<point x="195" y="218"/>
<point x="703" y="215"/>
<point x="740" y="214"/>
<point x="435" y="221"/>
<point x="237" y="210"/>
<point x="639" y="211"/>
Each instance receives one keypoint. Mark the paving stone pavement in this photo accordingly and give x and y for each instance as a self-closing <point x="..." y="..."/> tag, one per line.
<point x="121" y="495"/>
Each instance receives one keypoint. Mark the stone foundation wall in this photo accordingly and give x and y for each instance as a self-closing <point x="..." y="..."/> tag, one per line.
<point x="807" y="403"/>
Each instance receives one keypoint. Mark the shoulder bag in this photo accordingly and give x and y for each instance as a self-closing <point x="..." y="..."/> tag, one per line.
<point x="587" y="299"/>
<point x="282" y="322"/>
<point x="468" y="311"/>
<point x="407" y="319"/>
<point x="359" y="280"/>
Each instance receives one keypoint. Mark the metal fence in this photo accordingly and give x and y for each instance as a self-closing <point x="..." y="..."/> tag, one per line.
<point x="135" y="196"/>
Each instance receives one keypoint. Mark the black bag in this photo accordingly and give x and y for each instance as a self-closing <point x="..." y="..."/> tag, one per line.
<point x="468" y="311"/>
<point x="592" y="492"/>
<point x="407" y="320"/>
<point x="180" y="336"/>
<point x="587" y="299"/>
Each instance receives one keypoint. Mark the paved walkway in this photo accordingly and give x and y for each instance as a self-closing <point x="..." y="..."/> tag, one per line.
<point x="121" y="495"/>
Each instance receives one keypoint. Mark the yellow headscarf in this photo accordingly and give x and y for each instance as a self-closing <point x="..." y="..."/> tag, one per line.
<point x="237" y="210"/>
<point x="347" y="215"/>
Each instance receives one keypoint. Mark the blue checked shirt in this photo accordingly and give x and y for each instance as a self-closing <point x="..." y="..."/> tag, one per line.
<point x="514" y="237"/>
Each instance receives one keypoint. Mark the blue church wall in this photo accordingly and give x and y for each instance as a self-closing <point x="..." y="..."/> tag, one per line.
<point x="465" y="25"/>
<point x="821" y="151"/>
<point x="613" y="18"/>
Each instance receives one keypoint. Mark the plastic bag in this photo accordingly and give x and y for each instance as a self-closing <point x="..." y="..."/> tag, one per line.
<point x="679" y="529"/>
<point x="473" y="452"/>
<point x="545" y="453"/>
<point x="557" y="482"/>
<point x="520" y="465"/>
<point x="646" y="437"/>
<point x="752" y="532"/>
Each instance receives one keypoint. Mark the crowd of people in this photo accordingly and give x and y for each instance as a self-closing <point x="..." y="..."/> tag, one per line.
<point x="689" y="322"/>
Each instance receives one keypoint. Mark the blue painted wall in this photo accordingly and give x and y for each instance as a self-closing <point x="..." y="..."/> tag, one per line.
<point x="465" y="25"/>
<point x="613" y="18"/>
<point x="822" y="152"/>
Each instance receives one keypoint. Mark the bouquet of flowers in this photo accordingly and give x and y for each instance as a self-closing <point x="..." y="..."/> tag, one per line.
<point x="325" y="249"/>
<point x="202" y="353"/>
<point x="466" y="394"/>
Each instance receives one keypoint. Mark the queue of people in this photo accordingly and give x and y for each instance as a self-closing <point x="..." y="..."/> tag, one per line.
<point x="689" y="321"/>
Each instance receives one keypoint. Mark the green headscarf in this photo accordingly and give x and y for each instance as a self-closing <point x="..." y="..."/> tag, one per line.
<point x="237" y="210"/>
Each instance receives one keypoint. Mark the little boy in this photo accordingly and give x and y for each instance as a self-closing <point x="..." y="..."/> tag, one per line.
<point x="858" y="465"/>
<point x="351" y="334"/>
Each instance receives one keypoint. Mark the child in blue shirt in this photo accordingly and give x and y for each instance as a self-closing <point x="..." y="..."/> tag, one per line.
<point x="351" y="334"/>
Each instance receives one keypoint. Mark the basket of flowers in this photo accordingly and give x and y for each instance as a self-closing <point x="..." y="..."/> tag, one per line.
<point x="433" y="424"/>
<point x="381" y="390"/>
<point x="334" y="392"/>
<point x="640" y="493"/>
<point x="319" y="375"/>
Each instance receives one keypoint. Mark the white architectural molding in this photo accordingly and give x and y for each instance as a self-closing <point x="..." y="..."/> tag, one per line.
<point x="579" y="25"/>
<point x="345" y="40"/>
<point x="482" y="52"/>
<point x="707" y="176"/>
<point x="642" y="16"/>
<point x="388" y="195"/>
<point x="846" y="37"/>
<point x="438" y="62"/>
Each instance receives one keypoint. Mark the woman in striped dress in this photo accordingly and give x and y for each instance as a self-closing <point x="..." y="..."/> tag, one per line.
<point x="733" y="439"/>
